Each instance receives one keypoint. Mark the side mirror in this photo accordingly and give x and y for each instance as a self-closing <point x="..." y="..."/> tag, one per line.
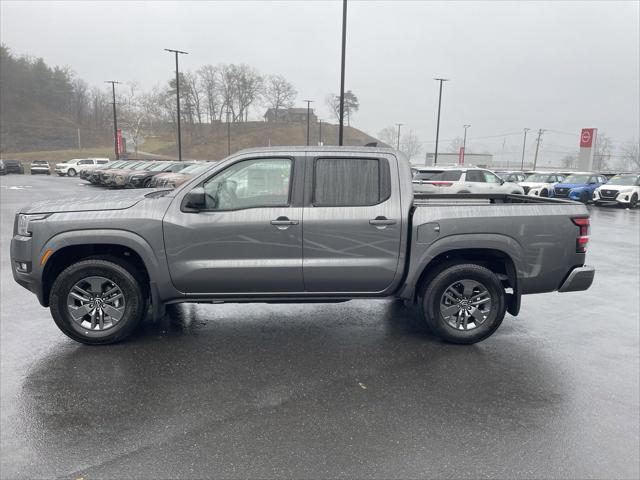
<point x="194" y="201"/>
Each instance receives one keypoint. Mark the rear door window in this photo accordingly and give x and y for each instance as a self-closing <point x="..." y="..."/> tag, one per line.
<point x="350" y="182"/>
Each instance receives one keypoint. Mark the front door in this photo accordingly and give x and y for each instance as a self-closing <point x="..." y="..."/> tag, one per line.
<point x="248" y="239"/>
<point x="352" y="225"/>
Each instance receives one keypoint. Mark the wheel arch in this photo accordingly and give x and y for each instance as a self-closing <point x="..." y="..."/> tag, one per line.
<point x="71" y="247"/>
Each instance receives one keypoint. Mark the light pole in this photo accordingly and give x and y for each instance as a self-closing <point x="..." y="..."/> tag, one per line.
<point x="320" y="134"/>
<point x="524" y="144"/>
<point x="441" y="80"/>
<point x="178" y="100"/>
<point x="309" y="102"/>
<point x="398" y="142"/>
<point x="115" y="118"/>
<point x="344" y="46"/>
<point x="464" y="140"/>
<point x="228" y="133"/>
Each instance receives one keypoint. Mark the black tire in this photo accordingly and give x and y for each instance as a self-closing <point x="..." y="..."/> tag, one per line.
<point x="147" y="183"/>
<point x="72" y="172"/>
<point x="544" y="192"/>
<point x="433" y="293"/>
<point x="634" y="201"/>
<point x="584" y="197"/>
<point x="123" y="277"/>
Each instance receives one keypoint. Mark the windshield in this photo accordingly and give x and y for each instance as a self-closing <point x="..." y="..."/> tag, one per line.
<point x="630" y="180"/>
<point x="426" y="175"/>
<point x="39" y="162"/>
<point x="195" y="169"/>
<point x="159" y="167"/>
<point x="577" y="179"/>
<point x="538" y="177"/>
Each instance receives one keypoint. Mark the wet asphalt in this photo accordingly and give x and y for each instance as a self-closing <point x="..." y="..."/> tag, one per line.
<point x="351" y="390"/>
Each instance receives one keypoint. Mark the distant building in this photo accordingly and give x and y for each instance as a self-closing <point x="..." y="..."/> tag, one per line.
<point x="470" y="159"/>
<point x="289" y="115"/>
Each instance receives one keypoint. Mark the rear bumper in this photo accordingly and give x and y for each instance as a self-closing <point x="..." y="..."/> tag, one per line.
<point x="580" y="278"/>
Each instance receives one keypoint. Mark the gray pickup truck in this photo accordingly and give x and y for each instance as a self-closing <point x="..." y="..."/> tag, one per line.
<point x="296" y="224"/>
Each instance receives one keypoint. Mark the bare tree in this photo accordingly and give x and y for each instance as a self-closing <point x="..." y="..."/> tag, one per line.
<point x="568" y="161"/>
<point x="209" y="81"/>
<point x="389" y="135"/>
<point x="602" y="151"/>
<point x="456" y="144"/>
<point x="279" y="93"/>
<point x="193" y="96"/>
<point x="410" y="144"/>
<point x="249" y="85"/>
<point x="631" y="153"/>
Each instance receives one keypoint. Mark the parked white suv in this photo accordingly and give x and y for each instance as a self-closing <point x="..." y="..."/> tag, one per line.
<point x="621" y="189"/>
<point x="72" y="167"/>
<point x="539" y="184"/>
<point x="461" y="180"/>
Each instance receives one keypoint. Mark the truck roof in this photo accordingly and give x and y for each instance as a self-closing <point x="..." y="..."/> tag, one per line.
<point x="324" y="148"/>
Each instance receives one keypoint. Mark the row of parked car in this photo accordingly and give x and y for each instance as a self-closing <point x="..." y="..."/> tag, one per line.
<point x="137" y="173"/>
<point x="585" y="187"/>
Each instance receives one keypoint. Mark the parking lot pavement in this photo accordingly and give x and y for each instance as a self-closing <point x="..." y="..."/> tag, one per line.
<point x="343" y="390"/>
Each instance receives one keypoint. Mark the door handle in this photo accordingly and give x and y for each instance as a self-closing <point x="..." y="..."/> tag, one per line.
<point x="381" y="222"/>
<point x="283" y="223"/>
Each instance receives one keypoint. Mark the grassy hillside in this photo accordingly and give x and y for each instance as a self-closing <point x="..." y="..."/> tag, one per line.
<point x="210" y="142"/>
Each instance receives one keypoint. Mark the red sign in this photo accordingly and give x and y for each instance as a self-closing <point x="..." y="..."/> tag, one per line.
<point x="119" y="142"/>
<point x="586" y="137"/>
<point x="461" y="156"/>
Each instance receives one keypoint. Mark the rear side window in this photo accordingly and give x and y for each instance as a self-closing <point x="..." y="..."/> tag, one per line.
<point x="102" y="161"/>
<point x="350" y="182"/>
<point x="475" y="176"/>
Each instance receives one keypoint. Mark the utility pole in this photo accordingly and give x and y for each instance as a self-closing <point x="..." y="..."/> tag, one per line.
<point x="504" y="143"/>
<point x="535" y="158"/>
<point x="524" y="144"/>
<point x="229" y="133"/>
<point x="344" y="45"/>
<point x="79" y="142"/>
<point x="320" y="135"/>
<point x="178" y="100"/>
<point x="441" y="80"/>
<point x="115" y="119"/>
<point x="398" y="143"/>
<point x="309" y="102"/>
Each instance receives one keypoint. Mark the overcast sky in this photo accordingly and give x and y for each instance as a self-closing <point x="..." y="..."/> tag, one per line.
<point x="557" y="66"/>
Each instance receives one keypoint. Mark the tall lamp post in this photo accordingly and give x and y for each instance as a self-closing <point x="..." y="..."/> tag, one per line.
<point x="344" y="46"/>
<point x="178" y="99"/>
<point x="320" y="133"/>
<point x="524" y="144"/>
<point x="441" y="80"/>
<point x="398" y="142"/>
<point x="309" y="102"/>
<point x="115" y="119"/>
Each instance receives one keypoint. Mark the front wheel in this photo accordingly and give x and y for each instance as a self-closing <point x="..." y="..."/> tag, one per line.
<point x="584" y="197"/>
<point x="465" y="303"/>
<point x="97" y="301"/>
<point x="634" y="201"/>
<point x="544" y="192"/>
<point x="71" y="172"/>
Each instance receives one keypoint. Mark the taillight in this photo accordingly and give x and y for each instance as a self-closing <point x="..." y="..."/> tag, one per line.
<point x="583" y="236"/>
<point x="441" y="184"/>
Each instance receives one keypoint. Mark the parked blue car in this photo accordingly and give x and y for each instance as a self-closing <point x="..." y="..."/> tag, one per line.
<point x="579" y="186"/>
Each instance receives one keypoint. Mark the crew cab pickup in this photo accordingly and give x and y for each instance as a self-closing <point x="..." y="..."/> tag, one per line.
<point x="297" y="224"/>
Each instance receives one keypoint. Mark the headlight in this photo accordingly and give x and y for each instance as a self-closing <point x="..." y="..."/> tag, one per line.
<point x="23" y="223"/>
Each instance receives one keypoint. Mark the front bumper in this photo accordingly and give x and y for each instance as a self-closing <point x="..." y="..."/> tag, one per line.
<point x="580" y="278"/>
<point x="22" y="252"/>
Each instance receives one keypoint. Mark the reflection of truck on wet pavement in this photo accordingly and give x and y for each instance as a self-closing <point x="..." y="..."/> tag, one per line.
<point x="296" y="224"/>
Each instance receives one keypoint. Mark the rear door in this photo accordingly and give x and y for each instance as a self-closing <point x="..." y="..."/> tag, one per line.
<point x="475" y="182"/>
<point x="352" y="224"/>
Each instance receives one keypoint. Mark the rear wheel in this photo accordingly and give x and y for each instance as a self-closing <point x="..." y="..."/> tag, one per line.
<point x="147" y="183"/>
<point x="465" y="303"/>
<point x="97" y="302"/>
<point x="71" y="172"/>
